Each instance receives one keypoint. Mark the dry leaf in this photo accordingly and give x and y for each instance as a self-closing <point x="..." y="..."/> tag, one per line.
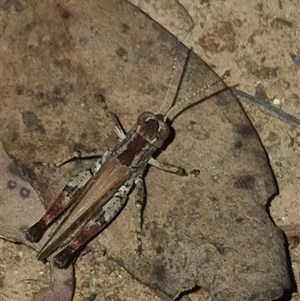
<point x="209" y="230"/>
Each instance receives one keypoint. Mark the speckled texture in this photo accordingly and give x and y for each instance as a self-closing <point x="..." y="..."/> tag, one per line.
<point x="257" y="44"/>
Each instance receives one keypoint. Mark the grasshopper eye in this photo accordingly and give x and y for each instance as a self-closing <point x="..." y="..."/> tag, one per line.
<point x="161" y="135"/>
<point x="163" y="131"/>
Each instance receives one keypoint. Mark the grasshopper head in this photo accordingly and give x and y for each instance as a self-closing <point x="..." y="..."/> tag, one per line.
<point x="153" y="128"/>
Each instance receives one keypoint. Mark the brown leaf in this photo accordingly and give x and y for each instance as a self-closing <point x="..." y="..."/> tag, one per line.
<point x="211" y="230"/>
<point x="20" y="208"/>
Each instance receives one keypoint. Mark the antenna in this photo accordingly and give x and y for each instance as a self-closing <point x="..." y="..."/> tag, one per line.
<point x="170" y="80"/>
<point x="182" y="104"/>
<point x="174" y="109"/>
<point x="165" y="106"/>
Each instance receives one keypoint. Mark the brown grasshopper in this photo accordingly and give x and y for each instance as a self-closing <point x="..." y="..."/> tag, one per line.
<point x="95" y="196"/>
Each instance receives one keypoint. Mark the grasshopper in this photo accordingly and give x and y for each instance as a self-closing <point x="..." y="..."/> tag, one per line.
<point x="93" y="197"/>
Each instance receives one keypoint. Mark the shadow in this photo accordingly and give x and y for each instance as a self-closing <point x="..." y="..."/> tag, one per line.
<point x="287" y="296"/>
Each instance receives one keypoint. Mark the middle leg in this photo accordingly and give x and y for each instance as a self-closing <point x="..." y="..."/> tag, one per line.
<point x="168" y="167"/>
